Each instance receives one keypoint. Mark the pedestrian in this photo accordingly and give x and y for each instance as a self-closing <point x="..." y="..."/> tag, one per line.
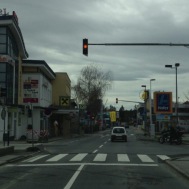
<point x="56" y="127"/>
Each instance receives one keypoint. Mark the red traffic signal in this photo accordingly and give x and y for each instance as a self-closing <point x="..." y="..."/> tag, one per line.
<point x="85" y="47"/>
<point x="116" y="100"/>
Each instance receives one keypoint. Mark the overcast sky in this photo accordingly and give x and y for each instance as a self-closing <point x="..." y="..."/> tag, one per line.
<point x="53" y="31"/>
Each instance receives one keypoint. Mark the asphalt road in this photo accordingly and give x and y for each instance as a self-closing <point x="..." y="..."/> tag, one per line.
<point x="95" y="162"/>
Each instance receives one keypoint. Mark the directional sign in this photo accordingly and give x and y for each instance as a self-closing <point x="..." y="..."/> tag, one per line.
<point x="163" y="102"/>
<point x="64" y="101"/>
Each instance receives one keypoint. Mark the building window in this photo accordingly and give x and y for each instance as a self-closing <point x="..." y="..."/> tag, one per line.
<point x="2" y="48"/>
<point x="2" y="38"/>
<point x="2" y="30"/>
<point x="2" y="77"/>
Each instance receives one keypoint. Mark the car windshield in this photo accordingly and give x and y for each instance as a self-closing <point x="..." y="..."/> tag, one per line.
<point x="119" y="130"/>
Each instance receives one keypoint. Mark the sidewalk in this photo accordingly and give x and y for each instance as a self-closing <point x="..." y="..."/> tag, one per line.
<point x="180" y="163"/>
<point x="18" y="150"/>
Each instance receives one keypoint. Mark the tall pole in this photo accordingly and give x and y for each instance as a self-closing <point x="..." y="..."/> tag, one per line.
<point x="145" y="116"/>
<point x="151" y="101"/>
<point x="176" y="105"/>
<point x="176" y="101"/>
<point x="152" y="128"/>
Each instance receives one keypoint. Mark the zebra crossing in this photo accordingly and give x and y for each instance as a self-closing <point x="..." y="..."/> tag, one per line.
<point x="96" y="158"/>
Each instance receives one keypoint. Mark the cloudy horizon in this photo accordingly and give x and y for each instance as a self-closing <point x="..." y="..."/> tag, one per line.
<point x="53" y="32"/>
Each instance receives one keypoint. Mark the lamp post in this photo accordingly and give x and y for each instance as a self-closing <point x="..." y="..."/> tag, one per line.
<point x="144" y="105"/>
<point x="152" y="131"/>
<point x="151" y="100"/>
<point x="176" y="104"/>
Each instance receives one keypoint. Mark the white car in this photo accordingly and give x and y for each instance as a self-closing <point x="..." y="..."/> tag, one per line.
<point x="119" y="133"/>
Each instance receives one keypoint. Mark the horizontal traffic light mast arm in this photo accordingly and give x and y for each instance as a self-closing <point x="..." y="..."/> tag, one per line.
<point x="141" y="44"/>
<point x="131" y="101"/>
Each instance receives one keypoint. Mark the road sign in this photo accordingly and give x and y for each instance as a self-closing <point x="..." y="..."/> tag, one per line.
<point x="64" y="101"/>
<point x="163" y="102"/>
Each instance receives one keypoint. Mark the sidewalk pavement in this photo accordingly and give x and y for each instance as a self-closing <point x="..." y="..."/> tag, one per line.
<point x="180" y="163"/>
<point x="19" y="150"/>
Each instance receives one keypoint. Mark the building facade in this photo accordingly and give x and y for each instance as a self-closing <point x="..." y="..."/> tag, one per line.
<point x="32" y="96"/>
<point x="12" y="52"/>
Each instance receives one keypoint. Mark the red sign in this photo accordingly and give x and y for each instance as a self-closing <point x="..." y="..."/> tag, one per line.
<point x="31" y="100"/>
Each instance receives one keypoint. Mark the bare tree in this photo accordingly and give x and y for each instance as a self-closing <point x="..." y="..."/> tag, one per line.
<point x="91" y="86"/>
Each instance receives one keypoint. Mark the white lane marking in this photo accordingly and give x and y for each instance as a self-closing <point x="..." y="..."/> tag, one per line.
<point x="74" y="177"/>
<point x="57" y="157"/>
<point x="75" y="164"/>
<point x="123" y="158"/>
<point x="95" y="151"/>
<point x="163" y="157"/>
<point x="145" y="158"/>
<point x="79" y="157"/>
<point x="100" y="146"/>
<point x="35" y="158"/>
<point x="105" y="142"/>
<point x="100" y="157"/>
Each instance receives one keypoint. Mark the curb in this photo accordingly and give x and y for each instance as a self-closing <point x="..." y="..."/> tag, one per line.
<point x="177" y="169"/>
<point x="19" y="158"/>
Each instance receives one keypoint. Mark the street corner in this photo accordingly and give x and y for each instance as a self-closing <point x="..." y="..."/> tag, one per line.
<point x="180" y="164"/>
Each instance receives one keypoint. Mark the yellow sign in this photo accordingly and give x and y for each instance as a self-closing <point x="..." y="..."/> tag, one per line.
<point x="64" y="101"/>
<point x="113" y="116"/>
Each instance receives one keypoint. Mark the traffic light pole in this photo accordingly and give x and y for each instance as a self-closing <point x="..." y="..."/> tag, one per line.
<point x="86" y="44"/>
<point x="141" y="44"/>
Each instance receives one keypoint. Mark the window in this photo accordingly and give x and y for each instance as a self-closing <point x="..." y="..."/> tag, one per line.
<point x="2" y="30"/>
<point x="2" y="38"/>
<point x="2" y="48"/>
<point x="2" y="77"/>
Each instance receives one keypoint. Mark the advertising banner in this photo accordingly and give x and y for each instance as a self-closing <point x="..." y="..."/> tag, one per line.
<point x="163" y="103"/>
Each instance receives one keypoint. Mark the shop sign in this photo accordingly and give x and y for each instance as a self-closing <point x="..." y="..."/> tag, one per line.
<point x="163" y="102"/>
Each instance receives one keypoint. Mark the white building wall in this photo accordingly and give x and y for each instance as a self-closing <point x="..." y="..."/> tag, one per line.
<point x="39" y="92"/>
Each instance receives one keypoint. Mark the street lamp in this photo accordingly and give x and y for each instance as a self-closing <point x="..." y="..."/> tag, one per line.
<point x="151" y="126"/>
<point x="144" y="105"/>
<point x="176" y="104"/>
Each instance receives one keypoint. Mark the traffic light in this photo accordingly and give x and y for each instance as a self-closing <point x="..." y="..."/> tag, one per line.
<point x="85" y="47"/>
<point x="116" y="100"/>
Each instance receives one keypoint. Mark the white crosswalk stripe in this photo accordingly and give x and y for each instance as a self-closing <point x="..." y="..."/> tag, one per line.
<point x="79" y="157"/>
<point x="145" y="158"/>
<point x="35" y="158"/>
<point x="163" y="157"/>
<point x="100" y="157"/>
<point x="57" y="157"/>
<point x="123" y="158"/>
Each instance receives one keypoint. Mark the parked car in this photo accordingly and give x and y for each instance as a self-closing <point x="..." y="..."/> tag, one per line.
<point x="119" y="133"/>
